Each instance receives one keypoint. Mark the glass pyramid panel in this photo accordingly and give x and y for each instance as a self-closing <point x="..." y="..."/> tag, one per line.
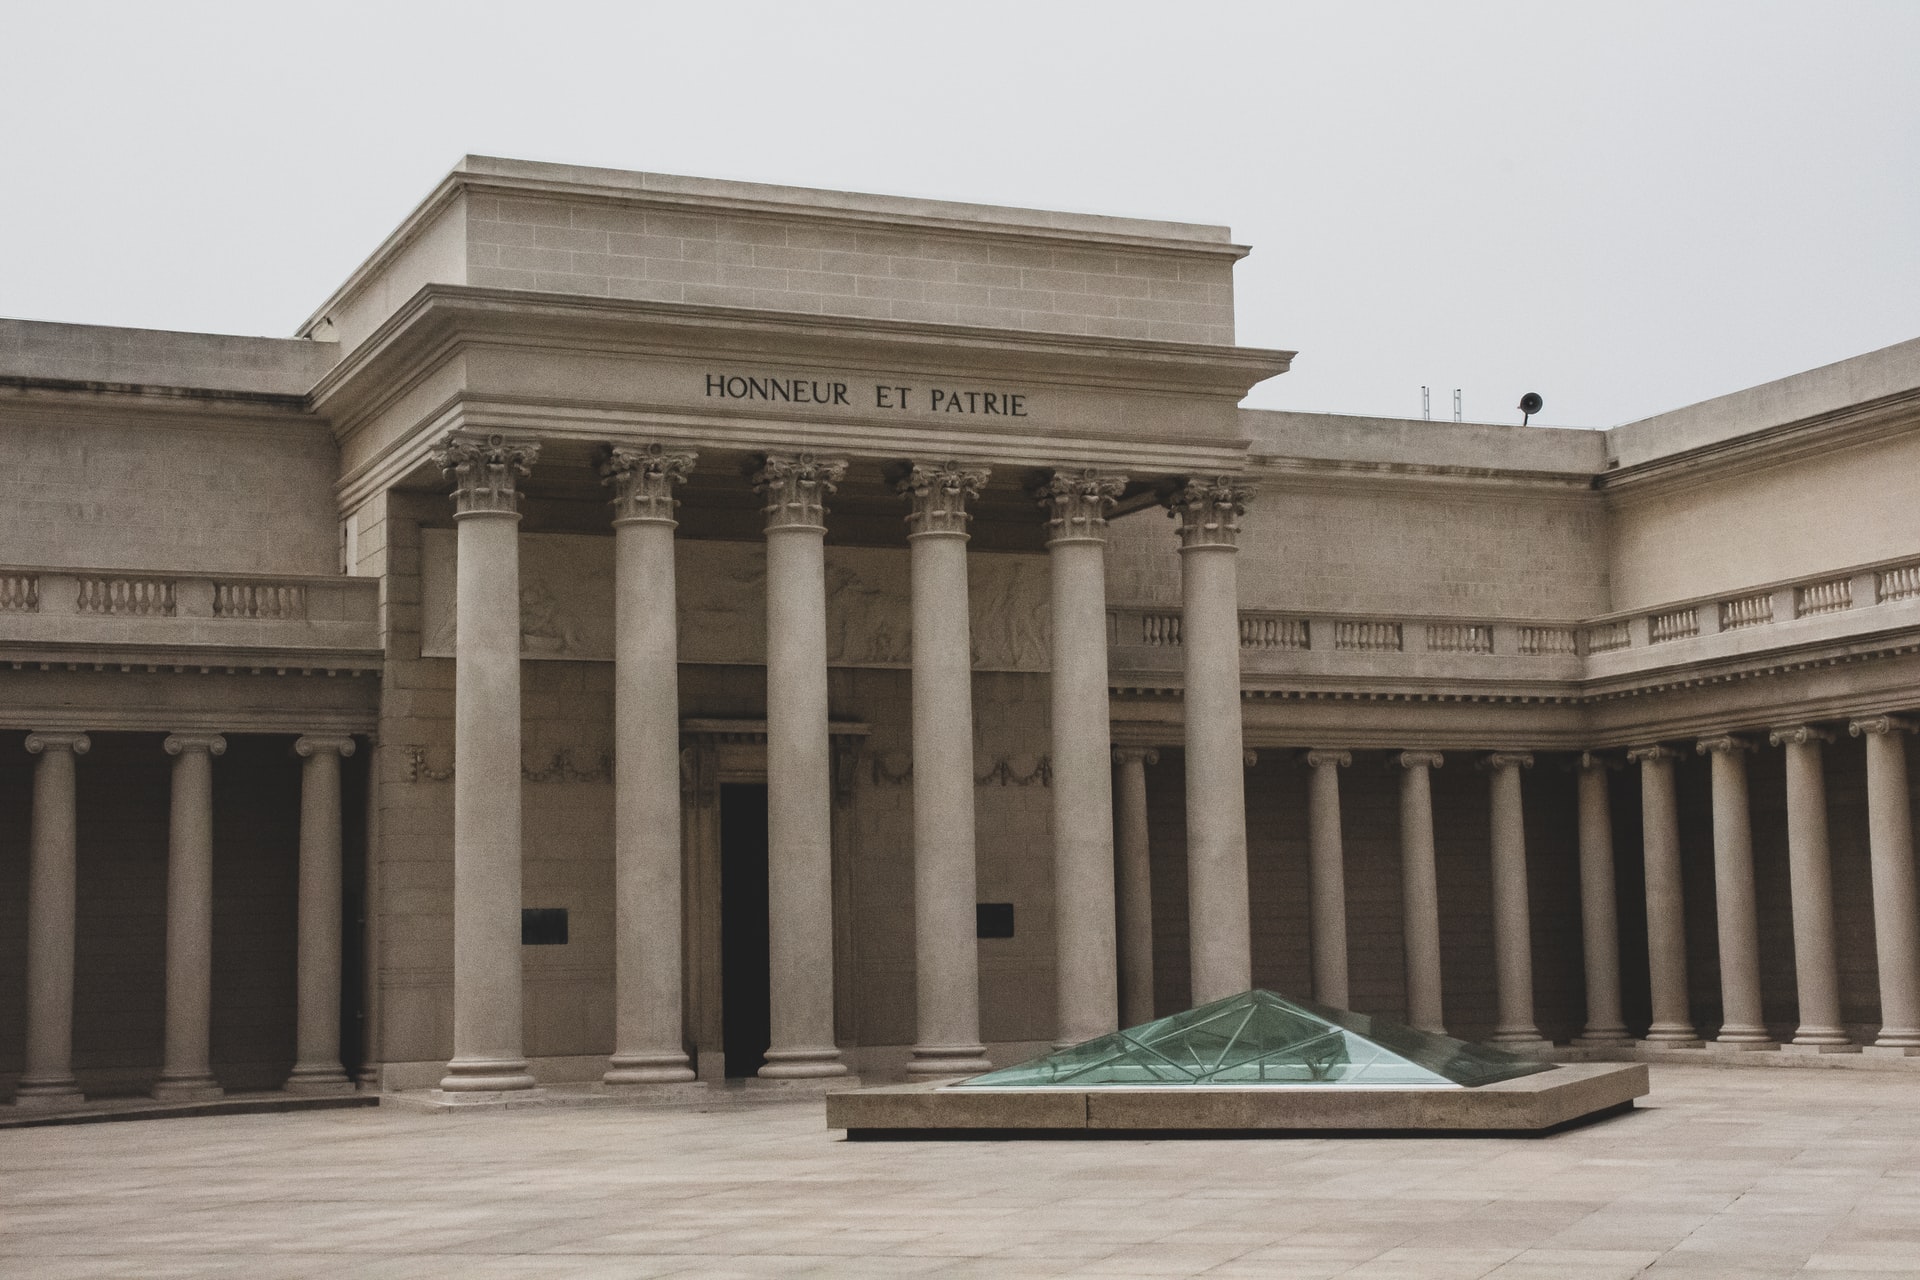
<point x="1259" y="1038"/>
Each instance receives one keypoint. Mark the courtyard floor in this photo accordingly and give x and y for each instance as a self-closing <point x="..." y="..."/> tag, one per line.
<point x="1722" y="1172"/>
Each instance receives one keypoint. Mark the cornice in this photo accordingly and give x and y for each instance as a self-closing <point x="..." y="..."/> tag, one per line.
<point x="464" y="313"/>
<point x="1307" y="473"/>
<point x="1772" y="447"/>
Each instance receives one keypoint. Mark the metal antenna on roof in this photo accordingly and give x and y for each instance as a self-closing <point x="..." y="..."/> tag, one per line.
<point x="1426" y="405"/>
<point x="1456" y="404"/>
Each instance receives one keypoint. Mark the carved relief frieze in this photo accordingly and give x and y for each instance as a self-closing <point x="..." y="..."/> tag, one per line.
<point x="566" y="603"/>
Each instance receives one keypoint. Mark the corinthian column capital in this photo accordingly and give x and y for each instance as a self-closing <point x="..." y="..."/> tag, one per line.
<point x="42" y="740"/>
<point x="939" y="492"/>
<point x="485" y="471"/>
<point x="796" y="486"/>
<point x="1881" y="724"/>
<point x="642" y="479"/>
<point x="1209" y="511"/>
<point x="1077" y="503"/>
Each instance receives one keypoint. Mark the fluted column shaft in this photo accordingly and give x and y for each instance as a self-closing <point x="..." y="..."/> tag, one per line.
<point x="1810" y="871"/>
<point x="648" y="1041"/>
<point x="1666" y="901"/>
<point x="1220" y="934"/>
<point x="47" y="1075"/>
<point x="1896" y="917"/>
<point x="1599" y="912"/>
<point x="1083" y="892"/>
<point x="186" y="1072"/>
<point x="1736" y="907"/>
<point x="1136" y="883"/>
<point x="946" y="955"/>
<point x="316" y="1067"/>
<point x="1512" y="920"/>
<point x="799" y="768"/>
<point x="1327" y="875"/>
<point x="487" y="1037"/>
<point x="1420" y="891"/>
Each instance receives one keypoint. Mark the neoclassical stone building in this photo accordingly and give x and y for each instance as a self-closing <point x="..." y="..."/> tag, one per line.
<point x="648" y="627"/>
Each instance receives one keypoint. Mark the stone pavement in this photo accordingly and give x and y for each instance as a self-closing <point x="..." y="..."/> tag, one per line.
<point x="1723" y="1172"/>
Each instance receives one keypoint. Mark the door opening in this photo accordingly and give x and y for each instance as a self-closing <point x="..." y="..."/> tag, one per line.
<point x="745" y="978"/>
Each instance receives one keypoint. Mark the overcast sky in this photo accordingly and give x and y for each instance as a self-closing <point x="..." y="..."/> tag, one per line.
<point x="1624" y="206"/>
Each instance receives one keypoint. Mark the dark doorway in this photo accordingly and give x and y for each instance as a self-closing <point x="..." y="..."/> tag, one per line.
<point x="745" y="1001"/>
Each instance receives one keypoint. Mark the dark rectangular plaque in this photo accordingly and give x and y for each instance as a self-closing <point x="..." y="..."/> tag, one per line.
<point x="543" y="926"/>
<point x="993" y="919"/>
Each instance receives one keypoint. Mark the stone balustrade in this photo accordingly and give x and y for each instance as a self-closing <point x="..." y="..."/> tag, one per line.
<point x="78" y="607"/>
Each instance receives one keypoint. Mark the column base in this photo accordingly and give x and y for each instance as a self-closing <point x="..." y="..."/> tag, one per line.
<point x="194" y="1088"/>
<point x="625" y="1069"/>
<point x="949" y="1060"/>
<point x="1672" y="1035"/>
<point x="1891" y="1050"/>
<point x="1742" y="1040"/>
<point x="1649" y="1042"/>
<point x="1602" y="1038"/>
<point x="318" y="1079"/>
<point x="1819" y="1046"/>
<point x="48" y="1094"/>
<point x="802" y="1064"/>
<point x="1527" y="1043"/>
<point x="486" y="1075"/>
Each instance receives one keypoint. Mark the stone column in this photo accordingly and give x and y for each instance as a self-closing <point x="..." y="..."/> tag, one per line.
<point x="186" y="1071"/>
<point x="487" y="1045"/>
<point x="1083" y="897"/>
<point x="1220" y="935"/>
<point x="1599" y="916"/>
<point x="1742" y="1025"/>
<point x="1896" y="925"/>
<point x="47" y="1076"/>
<point x="1327" y="877"/>
<point x="1512" y="923"/>
<point x="1672" y="1024"/>
<point x="1420" y="890"/>
<point x="316" y="1067"/>
<point x="1136" y="884"/>
<point x="799" y="767"/>
<point x="649" y="1045"/>
<point x="1810" y="871"/>
<point x="946" y="955"/>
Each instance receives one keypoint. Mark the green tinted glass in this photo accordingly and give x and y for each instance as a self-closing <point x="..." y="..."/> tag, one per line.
<point x="1261" y="1038"/>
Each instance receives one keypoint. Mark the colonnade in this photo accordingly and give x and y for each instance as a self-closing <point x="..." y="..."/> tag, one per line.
<point x="486" y="472"/>
<point x="186" y="1072"/>
<point x="1896" y="903"/>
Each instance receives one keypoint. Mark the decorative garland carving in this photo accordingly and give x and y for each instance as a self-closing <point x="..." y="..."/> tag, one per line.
<point x="561" y="767"/>
<point x="1003" y="773"/>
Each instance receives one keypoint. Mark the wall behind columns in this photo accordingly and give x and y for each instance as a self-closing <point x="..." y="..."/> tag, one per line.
<point x="16" y="803"/>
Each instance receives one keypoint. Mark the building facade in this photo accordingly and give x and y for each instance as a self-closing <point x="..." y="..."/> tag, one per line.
<point x="646" y="629"/>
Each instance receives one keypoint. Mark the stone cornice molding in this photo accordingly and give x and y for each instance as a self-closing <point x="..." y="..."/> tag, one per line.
<point x="58" y="740"/>
<point x="486" y="472"/>
<point x="1800" y="735"/>
<point x="1419" y="759"/>
<point x="939" y="493"/>
<point x="1209" y="510"/>
<point x="1320" y="757"/>
<point x="643" y="478"/>
<point x="1077" y="502"/>
<point x="796" y="487"/>
<point x="1142" y="755"/>
<point x="1507" y="760"/>
<point x="1654" y="754"/>
<point x="180" y="743"/>
<point x="1725" y="744"/>
<point x="1881" y="724"/>
<point x="310" y="743"/>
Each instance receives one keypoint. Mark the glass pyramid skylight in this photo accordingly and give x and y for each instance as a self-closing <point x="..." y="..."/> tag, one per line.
<point x="1258" y="1038"/>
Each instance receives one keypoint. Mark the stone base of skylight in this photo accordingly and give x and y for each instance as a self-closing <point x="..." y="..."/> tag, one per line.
<point x="1534" y="1103"/>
